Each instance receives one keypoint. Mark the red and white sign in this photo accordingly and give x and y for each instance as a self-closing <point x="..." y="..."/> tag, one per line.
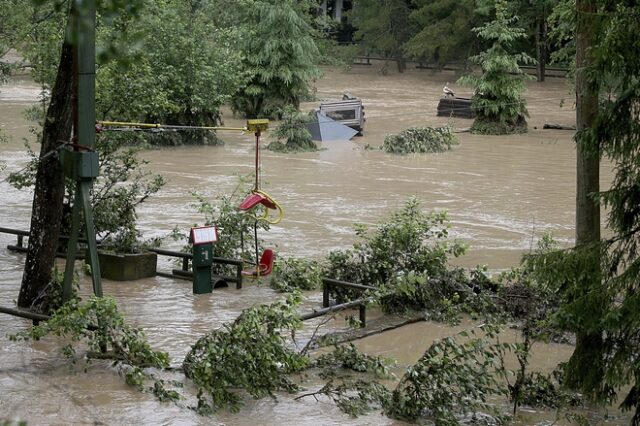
<point x="204" y="235"/>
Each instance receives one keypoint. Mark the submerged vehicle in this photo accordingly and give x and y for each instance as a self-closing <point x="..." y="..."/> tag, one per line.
<point x="348" y="111"/>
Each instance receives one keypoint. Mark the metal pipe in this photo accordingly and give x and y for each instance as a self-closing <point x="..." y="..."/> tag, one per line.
<point x="35" y="317"/>
<point x="166" y="126"/>
<point x="338" y="283"/>
<point x="334" y="308"/>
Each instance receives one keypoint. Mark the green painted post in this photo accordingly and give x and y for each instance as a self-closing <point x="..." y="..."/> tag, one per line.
<point x="202" y="239"/>
<point x="83" y="165"/>
<point x="72" y="246"/>
<point x="202" y="262"/>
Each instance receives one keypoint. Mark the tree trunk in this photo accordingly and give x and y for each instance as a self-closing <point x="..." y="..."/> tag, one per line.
<point x="585" y="366"/>
<point x="541" y="45"/>
<point x="49" y="189"/>
<point x="401" y="63"/>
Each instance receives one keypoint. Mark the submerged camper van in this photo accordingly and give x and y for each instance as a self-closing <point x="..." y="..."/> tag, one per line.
<point x="348" y="111"/>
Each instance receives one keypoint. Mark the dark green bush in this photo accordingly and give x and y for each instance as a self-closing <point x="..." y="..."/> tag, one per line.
<point x="292" y="273"/>
<point x="291" y="134"/>
<point x="420" y="139"/>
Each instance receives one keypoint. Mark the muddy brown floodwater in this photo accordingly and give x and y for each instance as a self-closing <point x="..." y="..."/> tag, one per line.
<point x="501" y="193"/>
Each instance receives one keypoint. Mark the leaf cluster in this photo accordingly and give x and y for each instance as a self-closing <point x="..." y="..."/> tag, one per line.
<point x="296" y="274"/>
<point x="453" y="379"/>
<point x="350" y="358"/>
<point x="251" y="354"/>
<point x="100" y="326"/>
<point x="410" y="240"/>
<point x="420" y="139"/>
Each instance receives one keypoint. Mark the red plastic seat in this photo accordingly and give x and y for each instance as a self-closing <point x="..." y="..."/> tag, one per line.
<point x="265" y="265"/>
<point x="256" y="198"/>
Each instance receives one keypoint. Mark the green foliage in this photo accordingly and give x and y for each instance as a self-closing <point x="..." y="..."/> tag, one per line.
<point x="498" y="97"/>
<point x="100" y="326"/>
<point x="562" y="28"/>
<point x="355" y="397"/>
<point x="251" y="354"/>
<point x="281" y="63"/>
<point x="598" y="284"/>
<point x="420" y="139"/>
<point x="296" y="274"/>
<point x="409" y="240"/>
<point x="291" y="134"/>
<point x="383" y="26"/>
<point x="451" y="380"/>
<point x="540" y="390"/>
<point x="349" y="357"/>
<point x="443" y="31"/>
<point x="179" y="66"/>
<point x="442" y="298"/>
<point x="122" y="185"/>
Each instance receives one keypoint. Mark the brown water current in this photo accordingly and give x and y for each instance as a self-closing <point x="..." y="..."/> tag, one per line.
<point x="501" y="193"/>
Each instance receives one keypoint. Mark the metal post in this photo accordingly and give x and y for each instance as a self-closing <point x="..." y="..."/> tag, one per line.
<point x="82" y="166"/>
<point x="326" y="288"/>
<point x="72" y="246"/>
<point x="85" y="188"/>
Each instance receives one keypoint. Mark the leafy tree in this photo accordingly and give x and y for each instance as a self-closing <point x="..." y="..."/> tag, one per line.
<point x="443" y="31"/>
<point x="534" y="15"/>
<point x="280" y="56"/>
<point x="179" y="67"/>
<point x="602" y="305"/>
<point x="383" y="27"/>
<point x="498" y="99"/>
<point x="410" y="240"/>
<point x="49" y="182"/>
<point x="562" y="29"/>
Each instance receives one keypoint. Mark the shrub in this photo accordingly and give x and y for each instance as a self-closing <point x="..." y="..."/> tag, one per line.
<point x="291" y="134"/>
<point x="409" y="240"/>
<point x="292" y="273"/>
<point x="420" y="139"/>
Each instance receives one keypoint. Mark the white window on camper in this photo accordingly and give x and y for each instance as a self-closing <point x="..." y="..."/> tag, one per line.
<point x="345" y="114"/>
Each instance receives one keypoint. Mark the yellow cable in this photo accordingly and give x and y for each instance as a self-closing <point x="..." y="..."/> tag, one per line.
<point x="169" y="126"/>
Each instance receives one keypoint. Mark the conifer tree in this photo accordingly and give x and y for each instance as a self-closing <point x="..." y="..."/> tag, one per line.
<point x="280" y="56"/>
<point x="498" y="100"/>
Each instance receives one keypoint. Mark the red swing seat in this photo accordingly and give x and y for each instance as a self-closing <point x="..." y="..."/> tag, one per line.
<point x="256" y="198"/>
<point x="265" y="266"/>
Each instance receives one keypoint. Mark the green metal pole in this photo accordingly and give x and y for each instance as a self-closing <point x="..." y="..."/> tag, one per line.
<point x="86" y="30"/>
<point x="84" y="16"/>
<point x="85" y="188"/>
<point x="87" y="121"/>
<point x="72" y="246"/>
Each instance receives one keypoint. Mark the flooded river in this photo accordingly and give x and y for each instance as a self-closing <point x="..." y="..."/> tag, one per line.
<point x="500" y="192"/>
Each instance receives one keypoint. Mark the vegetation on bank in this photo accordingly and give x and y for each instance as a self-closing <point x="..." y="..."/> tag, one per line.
<point x="591" y="290"/>
<point x="258" y="353"/>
